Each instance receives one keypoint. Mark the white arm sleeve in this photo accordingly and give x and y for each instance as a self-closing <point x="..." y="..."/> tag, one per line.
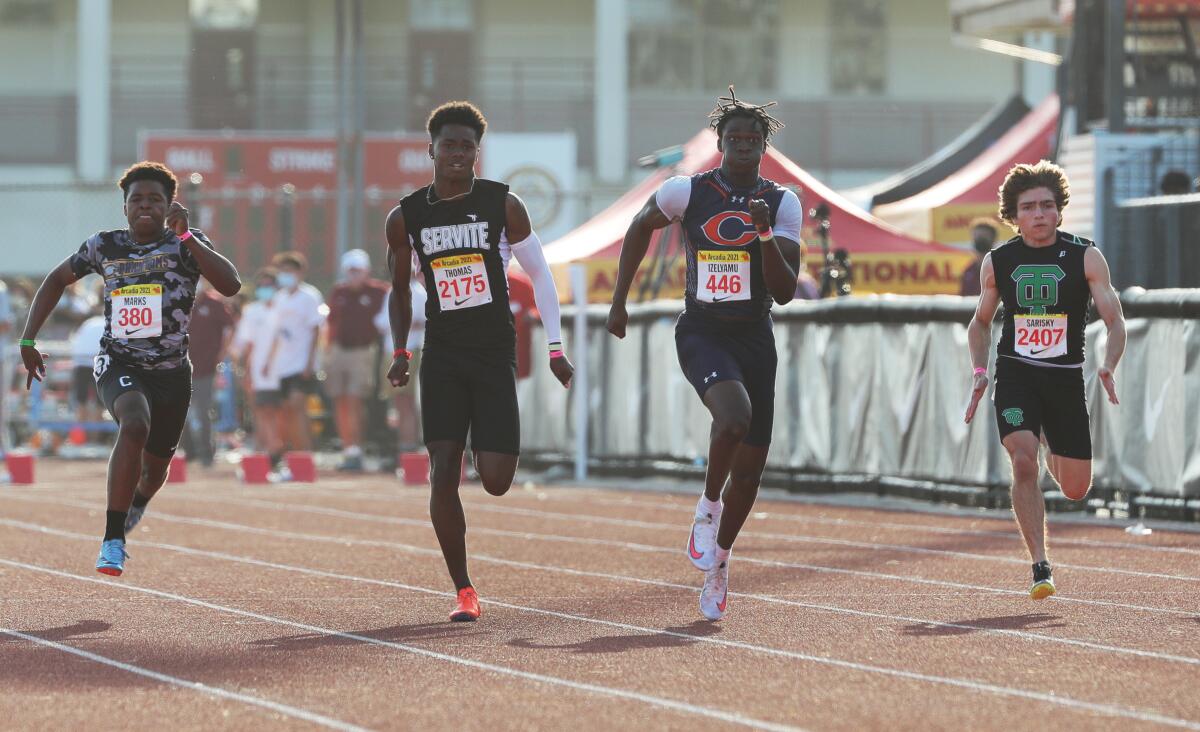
<point x="529" y="253"/>
<point x="673" y="196"/>
<point x="789" y="218"/>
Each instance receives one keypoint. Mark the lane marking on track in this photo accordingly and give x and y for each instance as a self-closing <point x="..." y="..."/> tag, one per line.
<point x="791" y="538"/>
<point x="567" y="493"/>
<point x="662" y="703"/>
<point x="1105" y="709"/>
<point x="636" y="547"/>
<point x="1036" y="637"/>
<point x="774" y="599"/>
<point x="196" y="686"/>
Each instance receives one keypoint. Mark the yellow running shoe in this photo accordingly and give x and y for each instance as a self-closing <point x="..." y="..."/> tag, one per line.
<point x="1043" y="581"/>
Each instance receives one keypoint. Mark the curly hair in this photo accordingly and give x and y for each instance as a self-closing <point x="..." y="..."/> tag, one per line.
<point x="729" y="107"/>
<point x="1023" y="177"/>
<point x="456" y="113"/>
<point x="149" y="170"/>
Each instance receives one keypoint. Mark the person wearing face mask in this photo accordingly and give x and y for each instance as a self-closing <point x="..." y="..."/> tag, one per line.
<point x="983" y="238"/>
<point x="251" y="346"/>
<point x="349" y="367"/>
<point x="299" y="311"/>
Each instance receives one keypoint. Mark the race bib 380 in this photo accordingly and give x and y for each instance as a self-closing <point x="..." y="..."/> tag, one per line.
<point x="137" y="311"/>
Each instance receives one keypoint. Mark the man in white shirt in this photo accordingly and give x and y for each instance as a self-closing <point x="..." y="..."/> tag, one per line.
<point x="299" y="311"/>
<point x="251" y="345"/>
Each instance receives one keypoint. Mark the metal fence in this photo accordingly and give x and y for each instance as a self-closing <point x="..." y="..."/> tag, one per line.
<point x="870" y="396"/>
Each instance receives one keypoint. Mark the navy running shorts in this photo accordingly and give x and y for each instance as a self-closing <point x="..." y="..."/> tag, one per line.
<point x="714" y="351"/>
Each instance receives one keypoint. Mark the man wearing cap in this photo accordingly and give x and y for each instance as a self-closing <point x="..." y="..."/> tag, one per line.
<point x="350" y="369"/>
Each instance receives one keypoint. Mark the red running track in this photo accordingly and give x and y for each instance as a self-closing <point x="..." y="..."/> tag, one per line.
<point x="324" y="606"/>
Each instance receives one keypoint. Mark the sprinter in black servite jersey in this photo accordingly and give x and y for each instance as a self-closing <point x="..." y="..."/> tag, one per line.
<point x="463" y="231"/>
<point x="1046" y="280"/>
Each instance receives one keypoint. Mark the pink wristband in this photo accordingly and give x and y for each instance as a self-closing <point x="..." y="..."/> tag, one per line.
<point x="980" y="370"/>
<point x="767" y="235"/>
<point x="185" y="235"/>
<point x="556" y="354"/>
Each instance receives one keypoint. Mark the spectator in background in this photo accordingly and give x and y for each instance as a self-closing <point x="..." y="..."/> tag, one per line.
<point x="408" y="417"/>
<point x="298" y="310"/>
<point x="251" y="346"/>
<point x="211" y="331"/>
<point x="350" y="366"/>
<point x="85" y="346"/>
<point x="807" y="287"/>
<point x="983" y="238"/>
<point x="1175" y="183"/>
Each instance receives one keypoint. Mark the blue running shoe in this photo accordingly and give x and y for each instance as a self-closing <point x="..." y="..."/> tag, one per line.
<point x="133" y="517"/>
<point x="112" y="558"/>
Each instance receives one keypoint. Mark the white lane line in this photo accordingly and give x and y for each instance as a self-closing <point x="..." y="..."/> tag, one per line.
<point x="630" y="546"/>
<point x="196" y="686"/>
<point x="798" y="539"/>
<point x="982" y="687"/>
<point x="1025" y="635"/>
<point x="633" y="546"/>
<point x="643" y="501"/>
<point x="624" y="545"/>
<point x="662" y="703"/>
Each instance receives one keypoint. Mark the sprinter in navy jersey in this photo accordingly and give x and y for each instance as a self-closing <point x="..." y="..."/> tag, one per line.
<point x="743" y="253"/>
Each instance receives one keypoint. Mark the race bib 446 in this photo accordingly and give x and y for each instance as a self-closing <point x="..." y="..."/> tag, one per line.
<point x="1040" y="336"/>
<point x="722" y="276"/>
<point x="137" y="311"/>
<point x="461" y="281"/>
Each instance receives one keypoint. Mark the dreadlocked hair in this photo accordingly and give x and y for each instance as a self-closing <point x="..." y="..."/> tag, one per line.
<point x="729" y="107"/>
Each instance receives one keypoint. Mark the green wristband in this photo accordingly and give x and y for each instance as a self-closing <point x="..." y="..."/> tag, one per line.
<point x="27" y="342"/>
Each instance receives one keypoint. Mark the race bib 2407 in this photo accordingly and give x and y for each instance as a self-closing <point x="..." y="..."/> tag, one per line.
<point x="1040" y="336"/>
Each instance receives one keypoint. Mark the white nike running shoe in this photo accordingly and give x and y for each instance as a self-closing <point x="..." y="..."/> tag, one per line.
<point x="702" y="542"/>
<point x="715" y="592"/>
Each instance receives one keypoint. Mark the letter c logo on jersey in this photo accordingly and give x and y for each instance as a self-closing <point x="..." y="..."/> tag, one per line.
<point x="737" y="224"/>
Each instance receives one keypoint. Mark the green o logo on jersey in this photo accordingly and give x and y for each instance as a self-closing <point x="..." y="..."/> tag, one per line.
<point x="1014" y="416"/>
<point x="1037" y="286"/>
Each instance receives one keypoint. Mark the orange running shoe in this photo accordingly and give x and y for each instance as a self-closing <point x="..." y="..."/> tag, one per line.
<point x="467" y="610"/>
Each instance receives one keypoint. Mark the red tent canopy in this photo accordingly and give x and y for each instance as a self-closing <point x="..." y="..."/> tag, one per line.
<point x="944" y="211"/>
<point x="884" y="259"/>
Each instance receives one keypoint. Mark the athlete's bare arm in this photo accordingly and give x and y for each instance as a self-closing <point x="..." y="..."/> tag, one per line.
<point x="979" y="332"/>
<point x="43" y="304"/>
<point x="1108" y="304"/>
<point x="218" y="270"/>
<point x="400" y="300"/>
<point x="780" y="256"/>
<point x="633" y="251"/>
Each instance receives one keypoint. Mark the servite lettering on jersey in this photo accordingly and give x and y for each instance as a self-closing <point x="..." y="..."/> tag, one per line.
<point x="458" y="236"/>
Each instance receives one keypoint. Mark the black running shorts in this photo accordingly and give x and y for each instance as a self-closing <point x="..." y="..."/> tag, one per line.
<point x="168" y="392"/>
<point x="470" y="389"/>
<point x="710" y="352"/>
<point x="1044" y="399"/>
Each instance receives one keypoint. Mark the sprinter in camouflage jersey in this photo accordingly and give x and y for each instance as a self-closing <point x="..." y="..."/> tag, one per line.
<point x="142" y="371"/>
